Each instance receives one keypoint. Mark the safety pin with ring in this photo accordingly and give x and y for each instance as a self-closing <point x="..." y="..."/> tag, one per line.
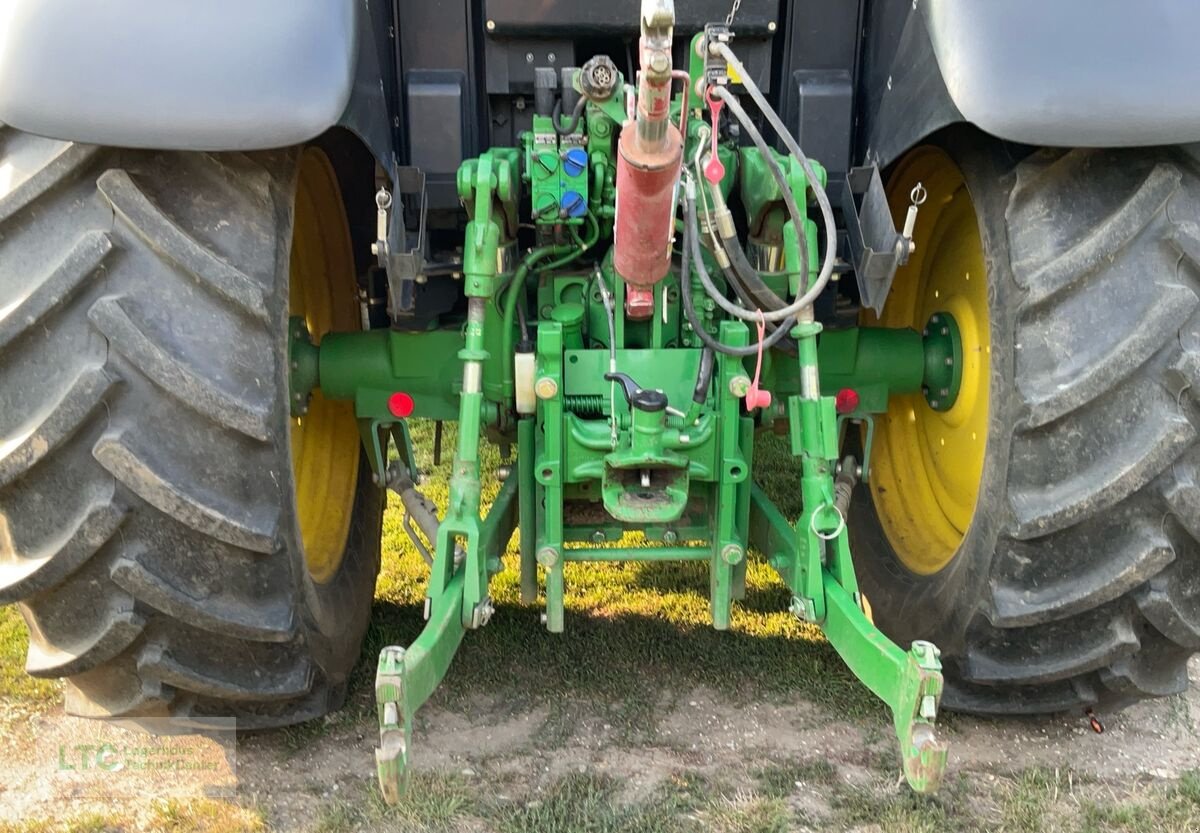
<point x="827" y="536"/>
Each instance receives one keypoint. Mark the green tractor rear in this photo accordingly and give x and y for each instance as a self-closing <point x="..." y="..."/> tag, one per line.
<point x="597" y="241"/>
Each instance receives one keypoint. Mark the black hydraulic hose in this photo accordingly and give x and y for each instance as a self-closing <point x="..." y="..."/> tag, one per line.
<point x="691" y="249"/>
<point x="524" y="324"/>
<point x="761" y="297"/>
<point x="739" y="290"/>
<point x="789" y="140"/>
<point x="718" y="297"/>
<point x="704" y="377"/>
<point x="789" y="200"/>
<point x="573" y="125"/>
<point x="748" y="276"/>
<point x="752" y="301"/>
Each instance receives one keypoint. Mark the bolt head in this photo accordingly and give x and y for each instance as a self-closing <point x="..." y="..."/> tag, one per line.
<point x="545" y="388"/>
<point x="670" y="537"/>
<point x="739" y="386"/>
<point x="547" y="557"/>
<point x="731" y="554"/>
<point x="933" y="404"/>
<point x="949" y="362"/>
<point x="598" y="537"/>
<point x="529" y="57"/>
<point x="660" y="61"/>
<point x="771" y="27"/>
<point x="491" y="25"/>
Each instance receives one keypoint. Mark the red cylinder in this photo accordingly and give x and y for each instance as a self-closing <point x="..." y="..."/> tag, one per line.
<point x="646" y="182"/>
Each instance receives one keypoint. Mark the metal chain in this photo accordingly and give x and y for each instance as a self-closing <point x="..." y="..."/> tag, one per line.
<point x="737" y="4"/>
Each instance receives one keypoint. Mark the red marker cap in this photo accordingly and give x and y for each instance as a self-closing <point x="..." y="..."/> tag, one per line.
<point x="400" y="404"/>
<point x="846" y="400"/>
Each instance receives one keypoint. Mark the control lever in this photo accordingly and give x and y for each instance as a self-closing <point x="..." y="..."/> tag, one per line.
<point x="649" y="401"/>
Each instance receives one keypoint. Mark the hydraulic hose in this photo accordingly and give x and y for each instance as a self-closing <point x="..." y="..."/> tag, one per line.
<point x="576" y="113"/>
<point x="806" y="299"/>
<point x="564" y="254"/>
<point x="749" y="287"/>
<point x="708" y="359"/>
<point x="789" y="199"/>
<point x="818" y="190"/>
<point x="750" y="290"/>
<point x="704" y="376"/>
<point x="691" y="250"/>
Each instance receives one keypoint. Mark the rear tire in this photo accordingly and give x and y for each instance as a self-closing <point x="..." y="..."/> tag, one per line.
<point x="148" y="526"/>
<point x="1078" y="579"/>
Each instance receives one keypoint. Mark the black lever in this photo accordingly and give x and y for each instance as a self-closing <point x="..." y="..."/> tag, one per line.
<point x="639" y="397"/>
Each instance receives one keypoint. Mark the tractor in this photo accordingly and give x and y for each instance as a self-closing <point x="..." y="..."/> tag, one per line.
<point x="949" y="249"/>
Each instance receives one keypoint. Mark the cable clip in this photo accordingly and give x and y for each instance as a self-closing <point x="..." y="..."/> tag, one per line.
<point x="755" y="396"/>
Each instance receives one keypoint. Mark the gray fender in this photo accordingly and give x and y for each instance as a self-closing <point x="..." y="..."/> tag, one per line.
<point x="1098" y="73"/>
<point x="211" y="75"/>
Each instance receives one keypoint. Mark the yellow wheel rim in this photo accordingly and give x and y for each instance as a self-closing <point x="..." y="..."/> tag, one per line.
<point x="926" y="464"/>
<point x="325" y="439"/>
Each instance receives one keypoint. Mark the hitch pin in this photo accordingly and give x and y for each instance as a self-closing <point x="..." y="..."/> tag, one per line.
<point x="918" y="197"/>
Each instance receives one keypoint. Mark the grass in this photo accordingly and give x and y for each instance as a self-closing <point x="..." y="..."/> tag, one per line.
<point x="575" y="803"/>
<point x="201" y="815"/>
<point x="1030" y="800"/>
<point x="16" y="687"/>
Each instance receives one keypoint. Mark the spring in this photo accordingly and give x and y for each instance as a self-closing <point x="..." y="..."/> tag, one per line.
<point x="585" y="404"/>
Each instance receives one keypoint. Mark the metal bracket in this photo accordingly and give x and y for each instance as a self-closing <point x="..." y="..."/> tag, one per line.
<point x="877" y="250"/>
<point x="405" y="266"/>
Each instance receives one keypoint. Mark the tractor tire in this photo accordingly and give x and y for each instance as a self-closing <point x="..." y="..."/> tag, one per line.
<point x="148" y="523"/>
<point x="1077" y="581"/>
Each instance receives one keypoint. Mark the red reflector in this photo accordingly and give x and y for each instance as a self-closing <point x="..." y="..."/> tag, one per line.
<point x="846" y="400"/>
<point x="400" y="404"/>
